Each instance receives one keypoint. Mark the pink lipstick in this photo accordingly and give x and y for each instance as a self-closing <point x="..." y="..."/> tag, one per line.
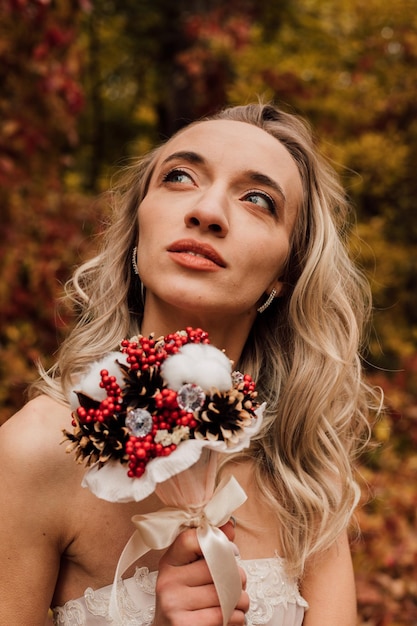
<point x="196" y="255"/>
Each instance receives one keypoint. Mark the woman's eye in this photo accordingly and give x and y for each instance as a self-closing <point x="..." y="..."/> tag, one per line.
<point x="177" y="176"/>
<point x="262" y="199"/>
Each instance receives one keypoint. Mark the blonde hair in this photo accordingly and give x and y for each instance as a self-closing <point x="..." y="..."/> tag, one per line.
<point x="303" y="351"/>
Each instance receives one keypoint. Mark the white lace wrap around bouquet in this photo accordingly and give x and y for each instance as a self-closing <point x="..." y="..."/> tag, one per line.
<point x="153" y="418"/>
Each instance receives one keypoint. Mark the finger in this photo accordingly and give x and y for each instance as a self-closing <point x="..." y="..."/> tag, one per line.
<point x="196" y="574"/>
<point x="203" y="596"/>
<point x="244" y="602"/>
<point x="173" y="599"/>
<point x="212" y="617"/>
<point x="206" y="595"/>
<point x="238" y="617"/>
<point x="243" y="577"/>
<point x="185" y="549"/>
<point x="229" y="529"/>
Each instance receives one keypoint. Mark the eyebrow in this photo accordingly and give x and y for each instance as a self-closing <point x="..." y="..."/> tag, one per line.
<point x="185" y="155"/>
<point x="253" y="175"/>
<point x="267" y="181"/>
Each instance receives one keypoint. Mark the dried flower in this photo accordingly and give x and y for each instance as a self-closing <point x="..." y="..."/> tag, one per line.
<point x="155" y="394"/>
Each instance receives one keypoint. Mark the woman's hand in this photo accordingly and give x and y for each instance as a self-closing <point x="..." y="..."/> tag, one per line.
<point x="185" y="593"/>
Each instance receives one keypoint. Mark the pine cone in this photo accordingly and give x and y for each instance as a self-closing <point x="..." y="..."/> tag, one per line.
<point x="140" y="388"/>
<point x="99" y="441"/>
<point x="222" y="417"/>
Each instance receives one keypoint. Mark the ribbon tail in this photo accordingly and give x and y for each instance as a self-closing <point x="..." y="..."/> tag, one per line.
<point x="221" y="561"/>
<point x="159" y="529"/>
<point x="133" y="550"/>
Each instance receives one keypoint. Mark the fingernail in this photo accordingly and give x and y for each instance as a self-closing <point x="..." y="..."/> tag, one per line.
<point x="233" y="520"/>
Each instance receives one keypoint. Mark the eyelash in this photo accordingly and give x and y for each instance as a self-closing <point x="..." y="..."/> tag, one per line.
<point x="270" y="201"/>
<point x="177" y="171"/>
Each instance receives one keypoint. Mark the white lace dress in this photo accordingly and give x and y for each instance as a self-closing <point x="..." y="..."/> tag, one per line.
<point x="274" y="599"/>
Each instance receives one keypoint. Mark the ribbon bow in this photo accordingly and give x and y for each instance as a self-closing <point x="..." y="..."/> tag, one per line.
<point x="156" y="531"/>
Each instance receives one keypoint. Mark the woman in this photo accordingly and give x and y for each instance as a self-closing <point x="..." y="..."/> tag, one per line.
<point x="235" y="226"/>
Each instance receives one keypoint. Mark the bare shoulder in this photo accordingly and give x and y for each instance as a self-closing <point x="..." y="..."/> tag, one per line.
<point x="40" y="409"/>
<point x="37" y="478"/>
<point x="30" y="441"/>
<point x="329" y="586"/>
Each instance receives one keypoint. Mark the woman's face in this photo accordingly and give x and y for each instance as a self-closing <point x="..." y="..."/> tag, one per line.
<point x="216" y="222"/>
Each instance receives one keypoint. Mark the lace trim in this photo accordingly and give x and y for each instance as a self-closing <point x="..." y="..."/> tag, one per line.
<point x="97" y="603"/>
<point x="267" y="585"/>
<point x="70" y="614"/>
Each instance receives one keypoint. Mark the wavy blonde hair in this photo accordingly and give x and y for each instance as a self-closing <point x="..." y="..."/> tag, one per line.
<point x="303" y="351"/>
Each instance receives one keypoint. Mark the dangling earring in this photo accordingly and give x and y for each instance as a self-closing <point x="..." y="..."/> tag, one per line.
<point x="136" y="271"/>
<point x="267" y="302"/>
<point x="134" y="262"/>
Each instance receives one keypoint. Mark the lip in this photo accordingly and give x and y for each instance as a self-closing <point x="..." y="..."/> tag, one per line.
<point x="199" y="254"/>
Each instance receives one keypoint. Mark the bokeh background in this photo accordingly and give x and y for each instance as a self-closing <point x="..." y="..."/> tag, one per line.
<point x="86" y="85"/>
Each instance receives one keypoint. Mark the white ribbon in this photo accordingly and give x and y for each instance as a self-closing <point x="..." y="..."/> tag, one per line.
<point x="156" y="531"/>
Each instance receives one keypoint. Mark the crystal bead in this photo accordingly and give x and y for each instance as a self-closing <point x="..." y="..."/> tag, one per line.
<point x="190" y="397"/>
<point x="237" y="378"/>
<point x="139" y="422"/>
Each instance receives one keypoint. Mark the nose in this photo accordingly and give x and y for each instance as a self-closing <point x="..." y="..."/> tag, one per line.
<point x="209" y="213"/>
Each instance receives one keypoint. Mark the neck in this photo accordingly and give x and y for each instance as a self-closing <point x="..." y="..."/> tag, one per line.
<point x="226" y="333"/>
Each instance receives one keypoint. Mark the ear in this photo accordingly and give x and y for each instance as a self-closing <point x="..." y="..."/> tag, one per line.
<point x="279" y="287"/>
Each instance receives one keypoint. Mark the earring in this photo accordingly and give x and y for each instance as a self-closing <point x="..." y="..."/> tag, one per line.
<point x="267" y="302"/>
<point x="136" y="271"/>
<point x="134" y="263"/>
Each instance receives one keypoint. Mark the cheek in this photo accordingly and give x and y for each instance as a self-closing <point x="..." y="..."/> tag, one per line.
<point x="272" y="255"/>
<point x="142" y="215"/>
<point x="144" y="236"/>
<point x="147" y="225"/>
<point x="156" y="218"/>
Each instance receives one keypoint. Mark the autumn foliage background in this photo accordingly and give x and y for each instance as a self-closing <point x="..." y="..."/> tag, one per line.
<point x="85" y="85"/>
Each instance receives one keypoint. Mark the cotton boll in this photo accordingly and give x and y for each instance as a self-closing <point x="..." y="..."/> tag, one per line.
<point x="201" y="364"/>
<point x="176" y="370"/>
<point x="73" y="400"/>
<point x="212" y="373"/>
<point x="90" y="382"/>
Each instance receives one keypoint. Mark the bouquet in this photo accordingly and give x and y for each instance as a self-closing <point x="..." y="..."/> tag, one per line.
<point x="153" y="418"/>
